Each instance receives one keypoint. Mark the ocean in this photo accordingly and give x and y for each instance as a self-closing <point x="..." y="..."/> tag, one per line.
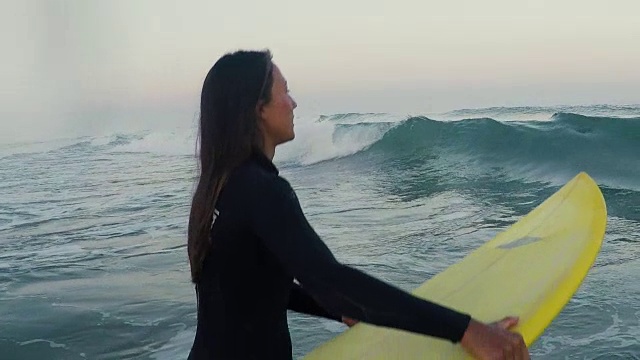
<point x="93" y="262"/>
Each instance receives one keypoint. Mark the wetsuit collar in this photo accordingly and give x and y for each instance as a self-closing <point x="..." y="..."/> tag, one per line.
<point x="263" y="161"/>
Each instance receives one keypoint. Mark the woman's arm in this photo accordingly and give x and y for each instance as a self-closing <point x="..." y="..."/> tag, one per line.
<point x="300" y="301"/>
<point x="276" y="217"/>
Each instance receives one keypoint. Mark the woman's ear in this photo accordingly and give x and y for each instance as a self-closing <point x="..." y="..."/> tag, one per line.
<point x="260" y="115"/>
<point x="260" y="110"/>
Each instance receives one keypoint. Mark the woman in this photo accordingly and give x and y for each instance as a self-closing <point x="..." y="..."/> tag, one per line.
<point x="248" y="239"/>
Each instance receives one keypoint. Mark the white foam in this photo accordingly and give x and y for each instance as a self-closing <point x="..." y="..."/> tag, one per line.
<point x="171" y="142"/>
<point x="499" y="114"/>
<point x="539" y="113"/>
<point x="36" y="147"/>
<point x="323" y="140"/>
<point x="52" y="344"/>
<point x="103" y="140"/>
<point x="361" y="118"/>
<point x="315" y="140"/>
<point x="63" y="251"/>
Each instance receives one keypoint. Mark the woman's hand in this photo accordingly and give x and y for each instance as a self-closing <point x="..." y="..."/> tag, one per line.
<point x="349" y="321"/>
<point x="494" y="341"/>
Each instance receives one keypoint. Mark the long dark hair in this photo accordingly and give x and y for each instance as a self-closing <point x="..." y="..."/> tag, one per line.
<point x="231" y="94"/>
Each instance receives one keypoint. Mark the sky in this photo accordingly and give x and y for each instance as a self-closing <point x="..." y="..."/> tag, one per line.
<point x="80" y="67"/>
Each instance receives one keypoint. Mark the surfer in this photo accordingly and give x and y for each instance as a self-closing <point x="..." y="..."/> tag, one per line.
<point x="252" y="253"/>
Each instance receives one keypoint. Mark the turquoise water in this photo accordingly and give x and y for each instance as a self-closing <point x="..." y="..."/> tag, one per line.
<point x="92" y="230"/>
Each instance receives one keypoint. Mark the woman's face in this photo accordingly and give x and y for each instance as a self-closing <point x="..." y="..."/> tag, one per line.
<point x="277" y="115"/>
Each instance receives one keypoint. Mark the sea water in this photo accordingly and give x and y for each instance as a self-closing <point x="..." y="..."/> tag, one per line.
<point x="93" y="262"/>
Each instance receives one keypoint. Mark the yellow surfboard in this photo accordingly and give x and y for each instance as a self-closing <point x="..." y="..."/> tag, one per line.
<point x="530" y="270"/>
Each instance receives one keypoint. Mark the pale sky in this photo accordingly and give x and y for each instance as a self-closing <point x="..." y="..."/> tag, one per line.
<point x="85" y="66"/>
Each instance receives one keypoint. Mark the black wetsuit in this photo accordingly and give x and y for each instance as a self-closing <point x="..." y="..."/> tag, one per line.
<point x="262" y="241"/>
